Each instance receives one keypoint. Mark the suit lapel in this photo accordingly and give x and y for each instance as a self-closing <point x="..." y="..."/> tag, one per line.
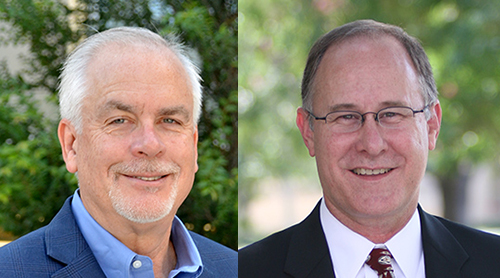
<point x="308" y="254"/>
<point x="65" y="243"/>
<point x="443" y="254"/>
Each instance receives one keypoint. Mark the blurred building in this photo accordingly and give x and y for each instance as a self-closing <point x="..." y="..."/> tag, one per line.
<point x="9" y="52"/>
<point x="15" y="56"/>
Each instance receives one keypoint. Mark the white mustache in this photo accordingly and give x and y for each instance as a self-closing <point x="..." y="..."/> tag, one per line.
<point x="144" y="166"/>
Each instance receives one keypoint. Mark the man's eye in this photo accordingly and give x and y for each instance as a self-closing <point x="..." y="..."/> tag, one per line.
<point x="346" y="117"/>
<point x="169" y="121"/>
<point x="390" y="115"/>
<point x="119" y="121"/>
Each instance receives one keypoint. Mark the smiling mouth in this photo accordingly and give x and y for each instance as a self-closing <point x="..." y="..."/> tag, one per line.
<point x="148" y="178"/>
<point x="370" y="172"/>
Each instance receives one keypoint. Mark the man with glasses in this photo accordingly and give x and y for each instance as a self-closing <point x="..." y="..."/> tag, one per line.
<point x="370" y="115"/>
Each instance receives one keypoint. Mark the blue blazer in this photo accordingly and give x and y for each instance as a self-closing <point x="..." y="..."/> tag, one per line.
<point x="60" y="250"/>
<point x="451" y="250"/>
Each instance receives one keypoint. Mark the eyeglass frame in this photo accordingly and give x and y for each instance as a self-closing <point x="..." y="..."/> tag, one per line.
<point x="364" y="114"/>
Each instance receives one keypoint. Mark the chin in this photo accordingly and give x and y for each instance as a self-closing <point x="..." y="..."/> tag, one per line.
<point x="142" y="210"/>
<point x="144" y="213"/>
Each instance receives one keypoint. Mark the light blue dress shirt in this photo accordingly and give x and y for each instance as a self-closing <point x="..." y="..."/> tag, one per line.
<point x="117" y="260"/>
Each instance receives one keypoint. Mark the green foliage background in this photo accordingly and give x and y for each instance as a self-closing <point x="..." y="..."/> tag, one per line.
<point x="33" y="179"/>
<point x="461" y="38"/>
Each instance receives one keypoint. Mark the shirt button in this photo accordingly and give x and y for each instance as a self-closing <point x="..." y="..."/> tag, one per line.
<point x="137" y="264"/>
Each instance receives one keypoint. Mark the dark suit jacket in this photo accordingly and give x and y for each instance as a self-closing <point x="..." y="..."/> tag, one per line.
<point x="450" y="250"/>
<point x="60" y="250"/>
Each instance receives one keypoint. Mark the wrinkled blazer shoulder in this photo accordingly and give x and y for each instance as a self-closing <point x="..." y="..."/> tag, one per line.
<point x="218" y="260"/>
<point x="56" y="250"/>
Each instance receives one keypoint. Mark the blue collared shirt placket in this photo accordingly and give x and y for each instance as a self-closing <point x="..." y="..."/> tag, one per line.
<point x="117" y="260"/>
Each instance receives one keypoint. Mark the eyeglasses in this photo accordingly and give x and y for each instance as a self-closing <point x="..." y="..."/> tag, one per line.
<point x="344" y="121"/>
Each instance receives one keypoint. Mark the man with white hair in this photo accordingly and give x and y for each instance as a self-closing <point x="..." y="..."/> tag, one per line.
<point x="130" y="101"/>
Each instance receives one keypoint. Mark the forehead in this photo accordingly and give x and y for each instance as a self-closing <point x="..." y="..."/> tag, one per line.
<point x="137" y="73"/>
<point x="365" y="68"/>
<point x="116" y="61"/>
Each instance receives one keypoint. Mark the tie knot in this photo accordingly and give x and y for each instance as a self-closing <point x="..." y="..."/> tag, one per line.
<point x="380" y="260"/>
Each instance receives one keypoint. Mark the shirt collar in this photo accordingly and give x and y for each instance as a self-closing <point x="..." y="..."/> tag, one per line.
<point x="188" y="257"/>
<point x="406" y="246"/>
<point x="349" y="249"/>
<point x="116" y="259"/>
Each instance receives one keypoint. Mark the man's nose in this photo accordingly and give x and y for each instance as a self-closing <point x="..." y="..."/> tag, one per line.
<point x="147" y="142"/>
<point x="371" y="137"/>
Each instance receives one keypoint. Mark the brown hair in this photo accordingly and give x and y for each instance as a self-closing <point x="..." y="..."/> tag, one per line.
<point x="368" y="28"/>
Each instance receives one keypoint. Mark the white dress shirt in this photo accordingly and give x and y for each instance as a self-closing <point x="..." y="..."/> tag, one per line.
<point x="349" y="250"/>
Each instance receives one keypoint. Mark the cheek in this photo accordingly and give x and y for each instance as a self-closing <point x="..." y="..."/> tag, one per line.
<point x="181" y="149"/>
<point x="413" y="148"/>
<point x="98" y="151"/>
<point x="185" y="152"/>
<point x="419" y="141"/>
<point x="331" y="151"/>
<point x="333" y="145"/>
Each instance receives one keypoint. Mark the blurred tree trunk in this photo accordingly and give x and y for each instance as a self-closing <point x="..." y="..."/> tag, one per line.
<point x="454" y="186"/>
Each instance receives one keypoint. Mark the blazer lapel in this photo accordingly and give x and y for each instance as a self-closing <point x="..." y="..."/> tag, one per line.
<point x="308" y="254"/>
<point x="65" y="243"/>
<point x="443" y="254"/>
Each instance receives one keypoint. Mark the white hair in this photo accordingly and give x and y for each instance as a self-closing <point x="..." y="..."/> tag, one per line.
<point x="73" y="86"/>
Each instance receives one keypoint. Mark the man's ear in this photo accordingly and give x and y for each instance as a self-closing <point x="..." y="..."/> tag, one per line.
<point x="305" y="129"/>
<point x="434" y="124"/>
<point x="67" y="137"/>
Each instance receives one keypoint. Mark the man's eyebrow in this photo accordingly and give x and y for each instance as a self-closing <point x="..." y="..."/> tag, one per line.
<point x="351" y="106"/>
<point x="176" y="110"/>
<point x="167" y="111"/>
<point x="342" y="106"/>
<point x="114" y="104"/>
<point x="394" y="103"/>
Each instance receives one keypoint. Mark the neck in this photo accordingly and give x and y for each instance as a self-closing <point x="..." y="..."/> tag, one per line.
<point x="148" y="239"/>
<point x="378" y="229"/>
<point x="151" y="240"/>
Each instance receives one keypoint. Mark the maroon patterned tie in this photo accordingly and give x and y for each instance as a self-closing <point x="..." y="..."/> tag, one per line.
<point x="380" y="261"/>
